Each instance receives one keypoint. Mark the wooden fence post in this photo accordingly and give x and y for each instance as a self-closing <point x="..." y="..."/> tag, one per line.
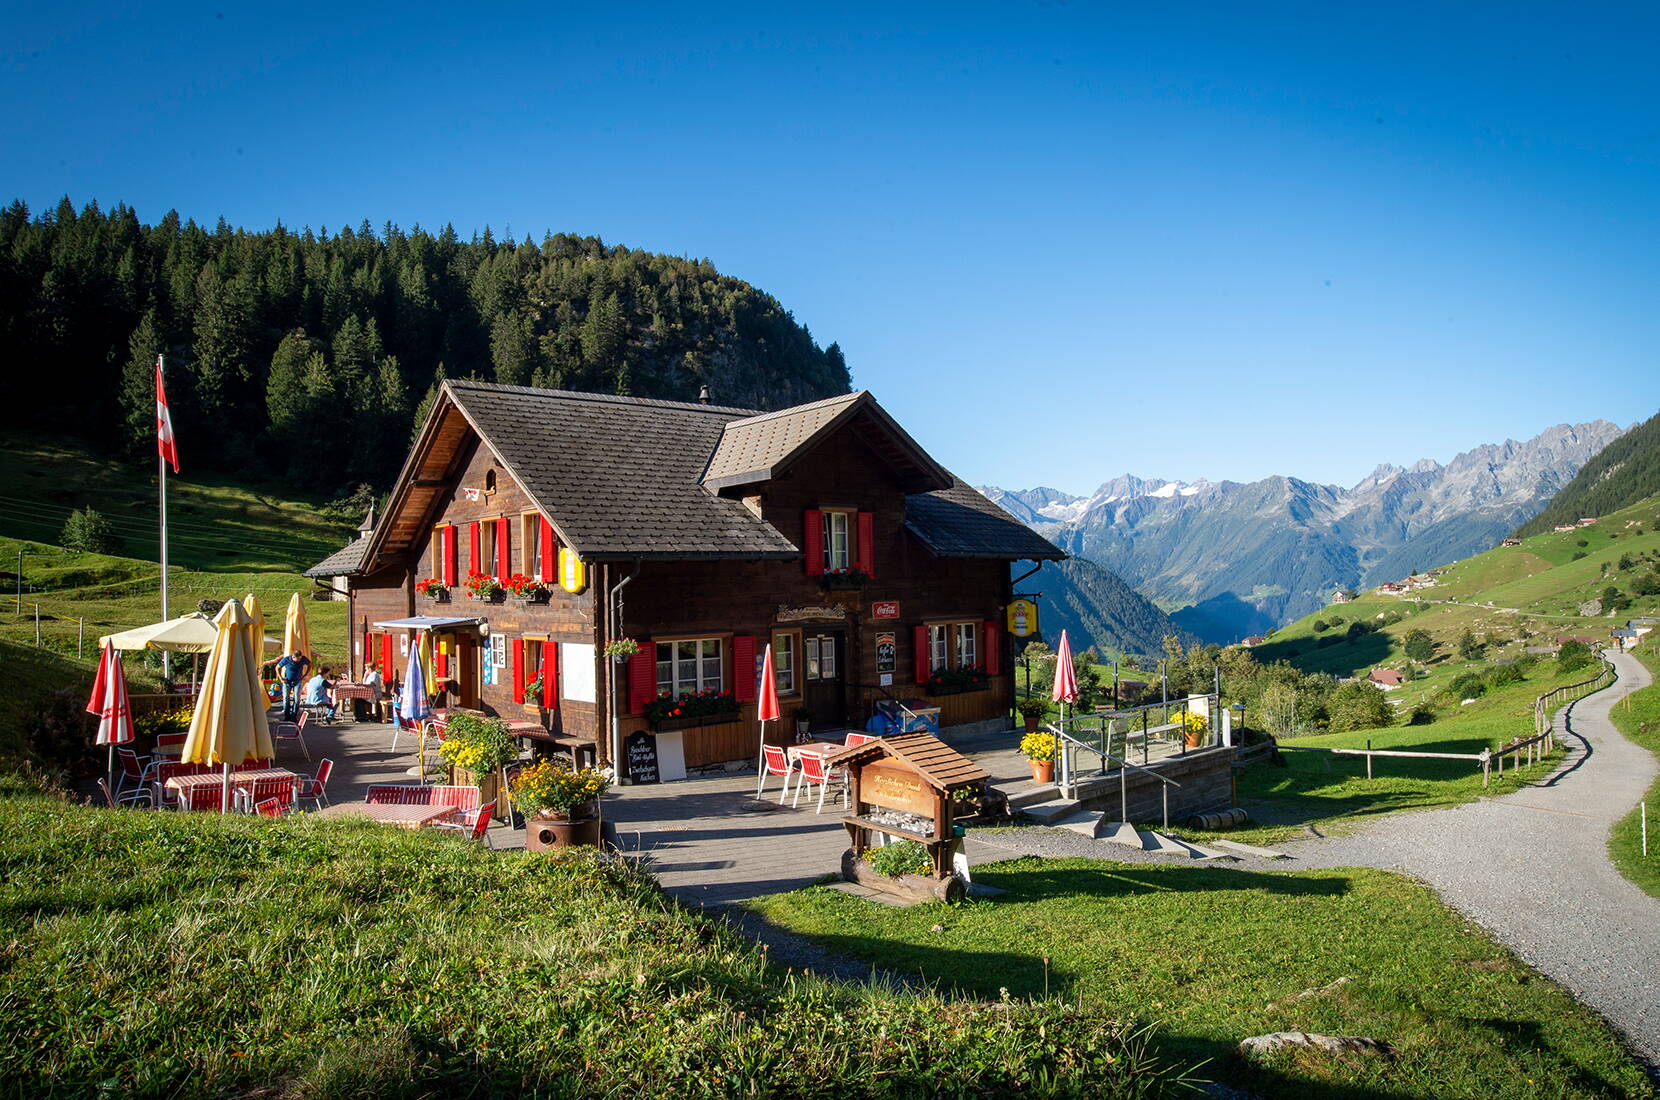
<point x="1486" y="768"/>
<point x="1368" y="758"/>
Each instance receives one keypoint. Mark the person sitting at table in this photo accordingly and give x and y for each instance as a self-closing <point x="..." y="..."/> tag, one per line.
<point x="319" y="692"/>
<point x="375" y="683"/>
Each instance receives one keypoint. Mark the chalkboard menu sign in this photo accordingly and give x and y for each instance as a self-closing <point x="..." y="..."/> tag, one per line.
<point x="640" y="758"/>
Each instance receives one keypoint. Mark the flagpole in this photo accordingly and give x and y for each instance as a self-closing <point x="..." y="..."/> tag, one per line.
<point x="161" y="466"/>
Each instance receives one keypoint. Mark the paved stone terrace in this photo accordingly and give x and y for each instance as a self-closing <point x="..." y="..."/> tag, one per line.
<point x="709" y="841"/>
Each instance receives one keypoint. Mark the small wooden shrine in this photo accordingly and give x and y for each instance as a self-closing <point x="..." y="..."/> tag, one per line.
<point x="905" y="787"/>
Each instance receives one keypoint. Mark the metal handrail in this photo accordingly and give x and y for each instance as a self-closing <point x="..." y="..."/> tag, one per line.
<point x="1068" y="785"/>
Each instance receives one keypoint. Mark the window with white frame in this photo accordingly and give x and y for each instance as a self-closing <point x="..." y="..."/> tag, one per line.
<point x="953" y="645"/>
<point x="836" y="545"/>
<point x="486" y="562"/>
<point x="689" y="664"/>
<point x="783" y="662"/>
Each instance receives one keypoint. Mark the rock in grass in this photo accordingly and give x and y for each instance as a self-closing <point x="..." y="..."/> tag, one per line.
<point x="1331" y="1044"/>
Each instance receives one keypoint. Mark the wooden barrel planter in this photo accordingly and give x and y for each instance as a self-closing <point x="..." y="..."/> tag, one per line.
<point x="1218" y="819"/>
<point x="550" y="829"/>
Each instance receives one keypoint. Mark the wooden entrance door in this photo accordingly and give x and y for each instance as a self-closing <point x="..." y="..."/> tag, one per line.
<point x="824" y="685"/>
<point x="465" y="669"/>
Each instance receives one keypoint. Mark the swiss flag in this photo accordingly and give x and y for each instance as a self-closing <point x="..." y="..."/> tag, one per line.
<point x="164" y="424"/>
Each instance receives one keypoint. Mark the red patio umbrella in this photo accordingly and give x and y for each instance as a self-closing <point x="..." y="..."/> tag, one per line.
<point x="766" y="710"/>
<point x="110" y="703"/>
<point x="1065" y="690"/>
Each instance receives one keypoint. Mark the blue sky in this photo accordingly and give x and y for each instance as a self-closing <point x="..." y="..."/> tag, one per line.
<point x="1059" y="241"/>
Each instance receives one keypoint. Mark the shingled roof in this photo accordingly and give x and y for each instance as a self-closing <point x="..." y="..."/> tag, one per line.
<point x="960" y="522"/>
<point x="621" y="478"/>
<point x="759" y="448"/>
<point x="344" y="562"/>
<point x="618" y="476"/>
<point x="942" y="766"/>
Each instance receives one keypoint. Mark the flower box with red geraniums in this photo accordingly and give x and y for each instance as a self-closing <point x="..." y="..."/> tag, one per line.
<point x="955" y="681"/>
<point x="433" y="589"/>
<point x="691" y="708"/>
<point x="525" y="589"/>
<point x="852" y="577"/>
<point x="482" y="586"/>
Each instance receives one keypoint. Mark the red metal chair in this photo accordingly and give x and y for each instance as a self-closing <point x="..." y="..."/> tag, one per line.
<point x="293" y="731"/>
<point x="777" y="763"/>
<point x="271" y="807"/>
<point x="206" y="797"/>
<point x="472" y="824"/>
<point x="247" y="795"/>
<point x="399" y="794"/>
<point x="171" y="739"/>
<point x="114" y="802"/>
<point x="311" y="788"/>
<point x="814" y="771"/>
<point x="462" y="798"/>
<point x="159" y="773"/>
<point x="133" y="771"/>
<point x="854" y="740"/>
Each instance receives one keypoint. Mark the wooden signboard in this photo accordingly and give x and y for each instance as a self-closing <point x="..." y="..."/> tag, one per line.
<point x="893" y="786"/>
<point x="640" y="758"/>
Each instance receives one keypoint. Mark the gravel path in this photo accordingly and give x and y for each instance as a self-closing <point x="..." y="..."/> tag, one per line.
<point x="1533" y="867"/>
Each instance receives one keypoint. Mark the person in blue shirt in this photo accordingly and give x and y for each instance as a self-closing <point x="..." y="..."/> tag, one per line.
<point x="291" y="672"/>
<point x="319" y="692"/>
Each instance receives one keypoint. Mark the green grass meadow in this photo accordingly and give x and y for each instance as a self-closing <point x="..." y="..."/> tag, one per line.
<point x="188" y="955"/>
<point x="1637" y="717"/>
<point x="1212" y="955"/>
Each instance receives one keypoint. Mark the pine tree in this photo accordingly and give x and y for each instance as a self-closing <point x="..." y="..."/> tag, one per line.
<point x="138" y="387"/>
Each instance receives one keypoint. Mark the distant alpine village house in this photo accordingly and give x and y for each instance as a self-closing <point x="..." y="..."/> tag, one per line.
<point x="1386" y="678"/>
<point x="529" y="529"/>
<point x="1412" y="584"/>
<point x="1342" y="595"/>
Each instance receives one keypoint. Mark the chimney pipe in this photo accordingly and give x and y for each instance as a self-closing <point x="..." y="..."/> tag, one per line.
<point x="703" y="395"/>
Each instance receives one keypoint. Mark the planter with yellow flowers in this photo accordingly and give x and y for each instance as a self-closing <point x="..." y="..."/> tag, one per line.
<point x="560" y="804"/>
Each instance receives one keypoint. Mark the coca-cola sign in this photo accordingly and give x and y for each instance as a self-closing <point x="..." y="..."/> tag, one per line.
<point x="885" y="609"/>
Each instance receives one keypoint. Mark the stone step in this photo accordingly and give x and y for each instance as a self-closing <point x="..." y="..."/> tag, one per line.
<point x="1121" y="832"/>
<point x="1250" y="849"/>
<point x="1022" y="795"/>
<point x="1083" y="822"/>
<point x="1163" y="845"/>
<point x="1199" y="851"/>
<point x="1052" y="811"/>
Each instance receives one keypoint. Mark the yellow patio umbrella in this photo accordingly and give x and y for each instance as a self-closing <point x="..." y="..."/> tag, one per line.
<point x="429" y="660"/>
<point x="229" y="726"/>
<point x="256" y="612"/>
<point x="296" y="634"/>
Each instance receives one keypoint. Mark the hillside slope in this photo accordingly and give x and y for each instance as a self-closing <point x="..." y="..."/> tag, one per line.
<point x="1242" y="557"/>
<point x="1098" y="609"/>
<point x="308" y="352"/>
<point x="1622" y="473"/>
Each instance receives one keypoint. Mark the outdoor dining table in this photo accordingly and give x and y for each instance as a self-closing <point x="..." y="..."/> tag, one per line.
<point x="814" y="748"/>
<point x="344" y="690"/>
<point x="184" y="784"/>
<point x="175" y="750"/>
<point x="409" y="817"/>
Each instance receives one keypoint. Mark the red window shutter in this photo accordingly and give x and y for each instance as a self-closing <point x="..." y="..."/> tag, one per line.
<point x="867" y="543"/>
<point x="386" y="655"/>
<point x="923" y="665"/>
<point x="812" y="540"/>
<point x="550" y="674"/>
<point x="518" y="670"/>
<point x="743" y="668"/>
<point x="642" y="677"/>
<point x="369" y="637"/>
<point x="550" y="564"/>
<point x="473" y="545"/>
<point x="504" y="548"/>
<point x="447" y="536"/>
<point x="993" y="657"/>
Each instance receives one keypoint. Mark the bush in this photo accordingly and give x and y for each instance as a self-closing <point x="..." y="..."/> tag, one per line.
<point x="1646" y="585"/>
<point x="1358" y="629"/>
<point x="1421" y="715"/>
<point x="1573" y="655"/>
<point x="1468" y="686"/>
<point x="1321" y="626"/>
<point x="1500" y="675"/>
<point x="1360" y="706"/>
<point x="1581" y="542"/>
<point x="89" y="531"/>
<point x="1580" y="554"/>
<point x="1420" y="646"/>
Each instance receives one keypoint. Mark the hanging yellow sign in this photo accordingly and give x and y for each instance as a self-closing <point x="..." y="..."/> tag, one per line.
<point x="573" y="574"/>
<point x="1023" y="618"/>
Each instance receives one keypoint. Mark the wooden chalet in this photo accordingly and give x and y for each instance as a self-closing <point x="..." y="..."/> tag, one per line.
<point x="702" y="533"/>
